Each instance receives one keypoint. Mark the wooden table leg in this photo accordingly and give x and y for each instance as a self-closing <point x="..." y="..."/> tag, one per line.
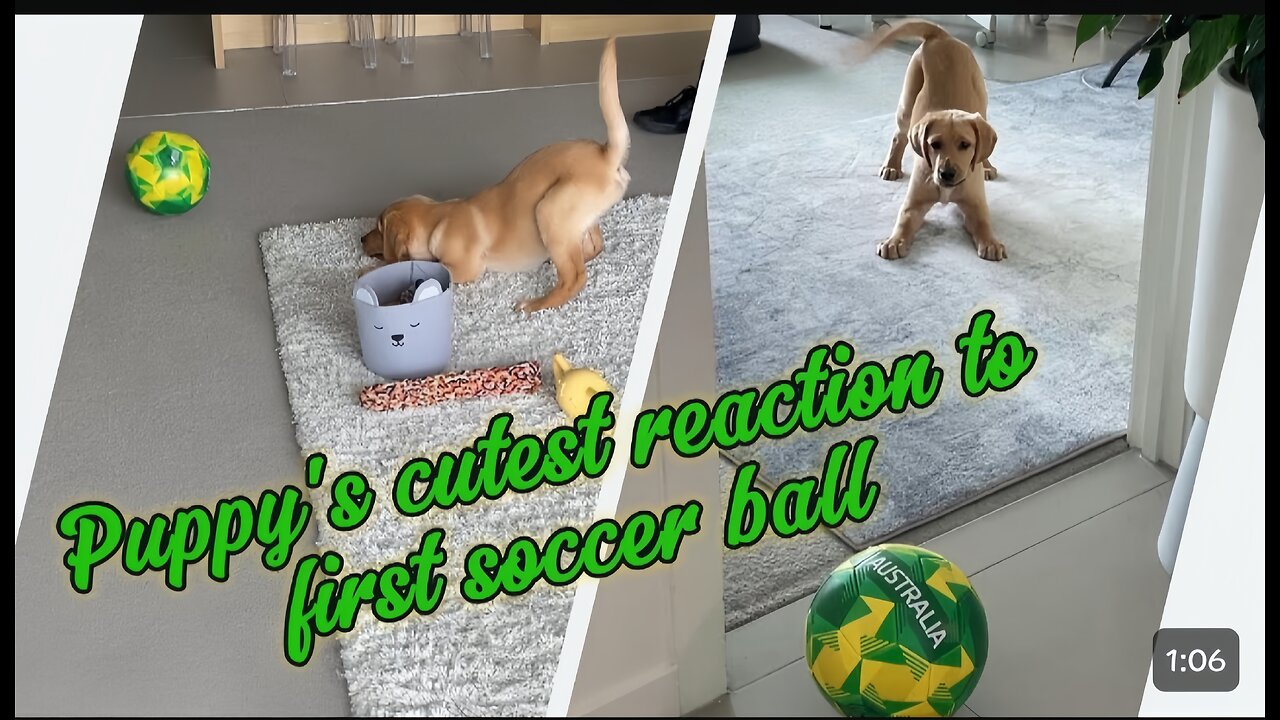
<point x="219" y="50"/>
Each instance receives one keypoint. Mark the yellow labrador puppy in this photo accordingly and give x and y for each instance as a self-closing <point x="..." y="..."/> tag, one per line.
<point x="942" y="116"/>
<point x="549" y="206"/>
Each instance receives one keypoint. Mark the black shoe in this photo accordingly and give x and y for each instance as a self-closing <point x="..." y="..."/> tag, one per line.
<point x="746" y="35"/>
<point x="670" y="118"/>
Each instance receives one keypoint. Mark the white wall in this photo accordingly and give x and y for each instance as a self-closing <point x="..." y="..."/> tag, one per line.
<point x="61" y="143"/>
<point x="655" y="642"/>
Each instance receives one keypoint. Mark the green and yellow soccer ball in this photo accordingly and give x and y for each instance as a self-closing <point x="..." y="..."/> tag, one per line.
<point x="168" y="172"/>
<point x="896" y="630"/>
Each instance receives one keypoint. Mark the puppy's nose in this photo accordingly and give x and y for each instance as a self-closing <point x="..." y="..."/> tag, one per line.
<point x="947" y="174"/>
<point x="397" y="338"/>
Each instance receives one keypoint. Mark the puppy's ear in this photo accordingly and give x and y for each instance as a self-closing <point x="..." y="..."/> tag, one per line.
<point x="985" y="140"/>
<point x="395" y="237"/>
<point x="918" y="135"/>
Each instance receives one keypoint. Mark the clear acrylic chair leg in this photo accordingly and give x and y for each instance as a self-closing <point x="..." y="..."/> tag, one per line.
<point x="365" y="39"/>
<point x="486" y="36"/>
<point x="284" y="42"/>
<point x="403" y="31"/>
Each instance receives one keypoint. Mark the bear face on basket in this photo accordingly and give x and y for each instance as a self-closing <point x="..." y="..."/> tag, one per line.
<point x="404" y="316"/>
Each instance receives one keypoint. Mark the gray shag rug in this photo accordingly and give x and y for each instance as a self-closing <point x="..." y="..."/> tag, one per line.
<point x="470" y="660"/>
<point x="796" y="208"/>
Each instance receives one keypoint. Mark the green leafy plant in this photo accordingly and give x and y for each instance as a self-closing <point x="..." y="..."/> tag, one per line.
<point x="1211" y="38"/>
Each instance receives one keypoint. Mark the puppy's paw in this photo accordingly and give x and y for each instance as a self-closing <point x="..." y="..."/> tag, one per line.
<point x="892" y="249"/>
<point x="989" y="173"/>
<point x="890" y="173"/>
<point x="992" y="250"/>
<point x="594" y="244"/>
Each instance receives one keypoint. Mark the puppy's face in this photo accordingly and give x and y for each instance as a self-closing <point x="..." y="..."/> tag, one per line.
<point x="954" y="144"/>
<point x="387" y="240"/>
<point x="402" y="231"/>
<point x="373" y="242"/>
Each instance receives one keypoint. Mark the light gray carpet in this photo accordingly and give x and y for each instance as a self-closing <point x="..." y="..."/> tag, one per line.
<point x="493" y="659"/>
<point x="796" y="208"/>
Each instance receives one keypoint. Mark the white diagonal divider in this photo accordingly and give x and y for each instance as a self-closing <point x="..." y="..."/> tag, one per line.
<point x="565" y="697"/>
<point x="69" y="81"/>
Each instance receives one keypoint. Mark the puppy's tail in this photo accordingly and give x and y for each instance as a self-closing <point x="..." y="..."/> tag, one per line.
<point x="922" y="29"/>
<point x="615" y="120"/>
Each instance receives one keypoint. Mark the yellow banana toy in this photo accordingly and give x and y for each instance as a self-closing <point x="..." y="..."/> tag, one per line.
<point x="575" y="386"/>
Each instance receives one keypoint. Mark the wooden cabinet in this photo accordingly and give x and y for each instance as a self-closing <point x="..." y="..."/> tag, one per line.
<point x="233" y="32"/>
<point x="567" y="28"/>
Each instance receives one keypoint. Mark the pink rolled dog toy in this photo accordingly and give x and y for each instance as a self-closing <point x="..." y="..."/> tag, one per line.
<point x="522" y="378"/>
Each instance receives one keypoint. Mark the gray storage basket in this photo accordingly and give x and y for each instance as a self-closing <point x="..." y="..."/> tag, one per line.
<point x="410" y="340"/>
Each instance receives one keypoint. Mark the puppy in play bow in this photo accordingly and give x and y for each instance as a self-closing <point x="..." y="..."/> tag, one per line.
<point x="942" y="117"/>
<point x="549" y="206"/>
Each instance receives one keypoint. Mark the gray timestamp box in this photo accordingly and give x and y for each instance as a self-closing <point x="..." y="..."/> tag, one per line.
<point x="1196" y="660"/>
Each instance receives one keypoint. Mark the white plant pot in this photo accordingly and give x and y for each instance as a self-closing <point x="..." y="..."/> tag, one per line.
<point x="1234" y="183"/>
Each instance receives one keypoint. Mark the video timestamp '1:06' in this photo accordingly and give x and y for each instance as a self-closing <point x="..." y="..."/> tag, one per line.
<point x="1196" y="661"/>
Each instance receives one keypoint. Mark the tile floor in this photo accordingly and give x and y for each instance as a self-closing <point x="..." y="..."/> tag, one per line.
<point x="1073" y="592"/>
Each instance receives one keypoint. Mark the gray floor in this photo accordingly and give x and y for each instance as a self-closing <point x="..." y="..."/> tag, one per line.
<point x="170" y="391"/>
<point x="1073" y="592"/>
<point x="178" y="78"/>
